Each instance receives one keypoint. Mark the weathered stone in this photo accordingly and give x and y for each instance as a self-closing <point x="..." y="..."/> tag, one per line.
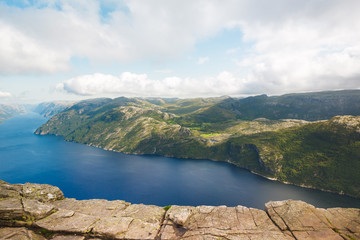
<point x="171" y="231"/>
<point x="302" y="219"/>
<point x="140" y="229"/>
<point x="221" y="222"/>
<point x="179" y="214"/>
<point x="344" y="220"/>
<point x="146" y="223"/>
<point x="102" y="219"/>
<point x="67" y="221"/>
<point x="296" y="215"/>
<point x="244" y="218"/>
<point x="67" y="237"/>
<point x="112" y="227"/>
<point x="9" y="190"/>
<point x="145" y="213"/>
<point x="324" y="234"/>
<point x="36" y="209"/>
<point x="20" y="233"/>
<point x="11" y="209"/>
<point x="262" y="220"/>
<point x="94" y="207"/>
<point x="42" y="192"/>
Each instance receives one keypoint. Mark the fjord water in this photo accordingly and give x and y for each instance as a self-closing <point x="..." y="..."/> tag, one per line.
<point x="85" y="172"/>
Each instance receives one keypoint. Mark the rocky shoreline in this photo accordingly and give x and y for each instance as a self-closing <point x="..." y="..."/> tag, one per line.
<point x="40" y="211"/>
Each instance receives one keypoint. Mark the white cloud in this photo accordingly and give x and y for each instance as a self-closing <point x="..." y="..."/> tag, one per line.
<point x="21" y="54"/>
<point x="5" y="94"/>
<point x="296" y="45"/>
<point x="314" y="46"/>
<point x="130" y="84"/>
<point x="44" y="39"/>
<point x="202" y="60"/>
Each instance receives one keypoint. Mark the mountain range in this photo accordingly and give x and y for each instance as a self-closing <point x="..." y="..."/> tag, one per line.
<point x="308" y="139"/>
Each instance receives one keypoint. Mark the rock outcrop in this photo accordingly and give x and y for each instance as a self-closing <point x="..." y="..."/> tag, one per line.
<point x="40" y="211"/>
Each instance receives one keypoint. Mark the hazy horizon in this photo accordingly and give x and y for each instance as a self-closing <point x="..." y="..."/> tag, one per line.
<point x="149" y="97"/>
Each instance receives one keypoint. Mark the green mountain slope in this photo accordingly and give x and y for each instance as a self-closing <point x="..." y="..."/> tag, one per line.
<point x="323" y="154"/>
<point x="306" y="106"/>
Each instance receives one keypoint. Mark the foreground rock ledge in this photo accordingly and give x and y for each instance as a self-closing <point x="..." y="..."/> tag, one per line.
<point x="40" y="211"/>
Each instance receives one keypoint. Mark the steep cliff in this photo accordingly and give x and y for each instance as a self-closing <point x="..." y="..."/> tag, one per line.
<point x="40" y="211"/>
<point x="49" y="109"/>
<point x="7" y="111"/>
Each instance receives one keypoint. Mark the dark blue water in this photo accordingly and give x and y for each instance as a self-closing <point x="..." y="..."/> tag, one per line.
<point x="85" y="172"/>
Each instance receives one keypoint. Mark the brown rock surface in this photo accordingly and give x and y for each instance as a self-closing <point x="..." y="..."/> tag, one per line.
<point x="9" y="190"/>
<point x="112" y="227"/>
<point x="95" y="207"/>
<point x="42" y="192"/>
<point x="11" y="209"/>
<point x="36" y="211"/>
<point x="67" y="237"/>
<point x="305" y="221"/>
<point x="19" y="233"/>
<point x="206" y="222"/>
<point x="67" y="221"/>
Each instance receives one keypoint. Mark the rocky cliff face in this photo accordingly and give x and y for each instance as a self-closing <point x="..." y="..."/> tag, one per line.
<point x="7" y="111"/>
<point x="49" y="109"/>
<point x="40" y="211"/>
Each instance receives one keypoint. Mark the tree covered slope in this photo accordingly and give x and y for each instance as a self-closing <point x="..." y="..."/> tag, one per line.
<point x="322" y="154"/>
<point x="306" y="106"/>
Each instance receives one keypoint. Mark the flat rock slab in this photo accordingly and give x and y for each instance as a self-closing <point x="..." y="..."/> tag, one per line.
<point x="67" y="237"/>
<point x="344" y="220"/>
<point x="207" y="222"/>
<point x="136" y="221"/>
<point x="20" y="233"/>
<point x="112" y="227"/>
<point x="38" y="211"/>
<point x="42" y="192"/>
<point x="94" y="207"/>
<point x="67" y="221"/>
<point x="11" y="209"/>
<point x="302" y="219"/>
<point x="9" y="190"/>
<point x="145" y="213"/>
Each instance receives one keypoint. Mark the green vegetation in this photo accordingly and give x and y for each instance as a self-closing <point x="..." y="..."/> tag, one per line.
<point x="322" y="154"/>
<point x="46" y="233"/>
<point x="209" y="135"/>
<point x="167" y="207"/>
<point x="306" y="106"/>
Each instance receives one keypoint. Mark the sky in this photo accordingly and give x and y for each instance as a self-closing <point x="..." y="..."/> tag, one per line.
<point x="77" y="49"/>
